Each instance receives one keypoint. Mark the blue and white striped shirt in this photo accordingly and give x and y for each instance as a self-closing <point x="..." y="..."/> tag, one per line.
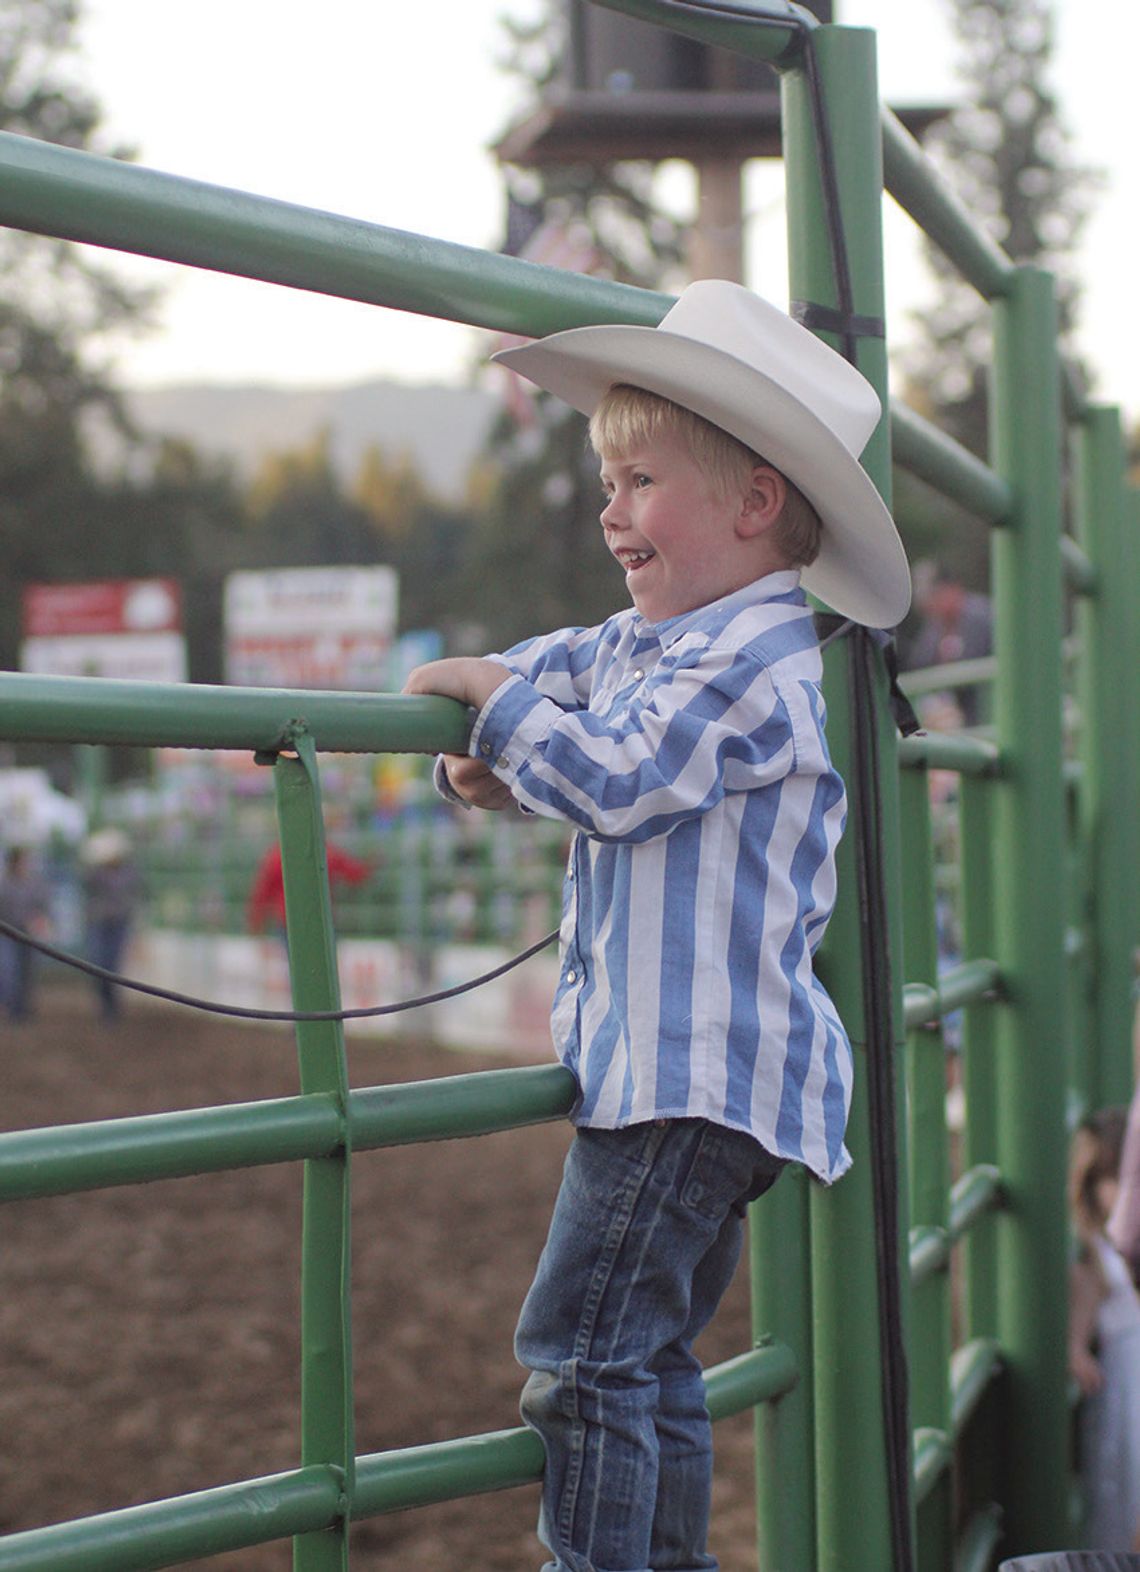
<point x="690" y="755"/>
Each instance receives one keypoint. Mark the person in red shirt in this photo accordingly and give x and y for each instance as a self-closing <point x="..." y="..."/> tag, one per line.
<point x="266" y="906"/>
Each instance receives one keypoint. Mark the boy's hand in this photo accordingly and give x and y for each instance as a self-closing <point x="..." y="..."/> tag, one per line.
<point x="471" y="681"/>
<point x="476" y="783"/>
<point x="463" y="677"/>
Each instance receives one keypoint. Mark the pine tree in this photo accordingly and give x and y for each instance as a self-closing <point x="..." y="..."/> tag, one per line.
<point x="1008" y="153"/>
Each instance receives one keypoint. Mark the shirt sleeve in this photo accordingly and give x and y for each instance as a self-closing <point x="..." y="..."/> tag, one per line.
<point x="559" y="666"/>
<point x="712" y="725"/>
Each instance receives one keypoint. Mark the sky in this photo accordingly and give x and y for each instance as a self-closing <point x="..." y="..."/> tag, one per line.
<point x="387" y="112"/>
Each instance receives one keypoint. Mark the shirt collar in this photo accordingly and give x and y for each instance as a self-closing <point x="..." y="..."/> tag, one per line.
<point x="771" y="587"/>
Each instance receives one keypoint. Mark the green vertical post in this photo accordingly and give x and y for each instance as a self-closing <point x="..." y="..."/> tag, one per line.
<point x="1109" y="803"/>
<point x="929" y="1163"/>
<point x="781" y="1310"/>
<point x="1029" y="863"/>
<point x="854" y="1529"/>
<point x="326" y="1346"/>
<point x="853" y="1502"/>
<point x="976" y="806"/>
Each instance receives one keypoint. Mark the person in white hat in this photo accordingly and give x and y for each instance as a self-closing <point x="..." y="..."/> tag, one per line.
<point x="684" y="741"/>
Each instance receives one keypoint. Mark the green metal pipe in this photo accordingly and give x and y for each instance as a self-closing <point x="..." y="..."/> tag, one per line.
<point x="945" y="751"/>
<point x="326" y="1287"/>
<point x="472" y="1465"/>
<point x="780" y="1279"/>
<point x="968" y="983"/>
<point x="198" y="715"/>
<point x="922" y="192"/>
<point x="771" y="42"/>
<point x="976" y="813"/>
<point x="933" y="1455"/>
<point x="978" y="1545"/>
<point x="79" y="196"/>
<point x="925" y="451"/>
<point x="66" y="1158"/>
<point x="972" y="981"/>
<point x="61" y="1159"/>
<point x="460" y="1105"/>
<point x="1028" y="885"/>
<point x="929" y="1148"/>
<point x="976" y="1192"/>
<point x="853" y="1527"/>
<point x="1080" y="574"/>
<point x="974" y="1366"/>
<point x="1108" y="805"/>
<point x="168" y="1533"/>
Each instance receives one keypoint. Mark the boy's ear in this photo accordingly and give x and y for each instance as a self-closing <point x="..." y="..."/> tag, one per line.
<point x="763" y="502"/>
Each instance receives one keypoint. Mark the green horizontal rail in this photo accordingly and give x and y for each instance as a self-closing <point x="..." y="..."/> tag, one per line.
<point x="933" y="1454"/>
<point x="938" y="750"/>
<point x="772" y="41"/>
<point x="1080" y="575"/>
<point x="923" y="450"/>
<point x="60" y="1159"/>
<point x="460" y="1105"/>
<point x="975" y="1193"/>
<point x="949" y="674"/>
<point x="233" y="1517"/>
<point x="920" y="190"/>
<point x="980" y="1539"/>
<point x="472" y="1465"/>
<point x="972" y="1368"/>
<point x="165" y="1533"/>
<point x="198" y="715"/>
<point x="969" y="983"/>
<point x="73" y="195"/>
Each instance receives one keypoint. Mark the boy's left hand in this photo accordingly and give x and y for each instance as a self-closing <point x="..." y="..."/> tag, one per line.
<point x="463" y="677"/>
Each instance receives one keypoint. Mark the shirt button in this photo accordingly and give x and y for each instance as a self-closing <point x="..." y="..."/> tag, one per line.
<point x="639" y="674"/>
<point x="571" y="977"/>
<point x="501" y="762"/>
<point x="484" y="747"/>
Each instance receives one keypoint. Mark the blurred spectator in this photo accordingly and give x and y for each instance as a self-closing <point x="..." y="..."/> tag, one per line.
<point x="110" y="894"/>
<point x="266" y="907"/>
<point x="957" y="624"/>
<point x="1104" y="1341"/>
<point x="24" y="902"/>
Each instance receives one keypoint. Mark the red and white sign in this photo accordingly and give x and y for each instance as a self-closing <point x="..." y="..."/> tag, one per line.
<point x="311" y="628"/>
<point x="126" y="628"/>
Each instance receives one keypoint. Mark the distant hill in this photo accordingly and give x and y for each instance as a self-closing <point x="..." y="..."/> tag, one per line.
<point x="444" y="428"/>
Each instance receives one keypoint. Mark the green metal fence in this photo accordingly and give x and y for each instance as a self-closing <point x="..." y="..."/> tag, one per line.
<point x="1048" y="893"/>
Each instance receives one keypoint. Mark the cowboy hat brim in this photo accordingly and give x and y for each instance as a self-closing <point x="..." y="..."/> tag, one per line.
<point x="861" y="571"/>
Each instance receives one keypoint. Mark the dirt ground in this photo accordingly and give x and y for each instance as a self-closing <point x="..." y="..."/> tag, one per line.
<point x="149" y="1334"/>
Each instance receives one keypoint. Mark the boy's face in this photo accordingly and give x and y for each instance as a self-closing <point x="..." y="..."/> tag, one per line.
<point x="681" y="543"/>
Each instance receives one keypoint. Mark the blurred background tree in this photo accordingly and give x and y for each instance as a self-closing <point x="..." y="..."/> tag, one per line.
<point x="537" y="553"/>
<point x="1007" y="152"/>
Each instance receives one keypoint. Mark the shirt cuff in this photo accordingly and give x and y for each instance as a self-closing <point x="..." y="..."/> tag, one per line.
<point x="509" y="726"/>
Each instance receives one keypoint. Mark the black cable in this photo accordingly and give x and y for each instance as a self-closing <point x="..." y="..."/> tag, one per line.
<point x="248" y="1013"/>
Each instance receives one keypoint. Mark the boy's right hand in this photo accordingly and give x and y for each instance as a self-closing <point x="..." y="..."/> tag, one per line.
<point x="475" y="782"/>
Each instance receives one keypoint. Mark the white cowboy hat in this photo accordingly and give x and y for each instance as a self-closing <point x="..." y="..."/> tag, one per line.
<point x="747" y="367"/>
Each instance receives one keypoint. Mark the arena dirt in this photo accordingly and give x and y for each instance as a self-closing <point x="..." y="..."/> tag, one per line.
<point x="149" y="1334"/>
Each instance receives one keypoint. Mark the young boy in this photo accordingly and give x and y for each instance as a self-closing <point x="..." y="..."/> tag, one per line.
<point x="684" y="740"/>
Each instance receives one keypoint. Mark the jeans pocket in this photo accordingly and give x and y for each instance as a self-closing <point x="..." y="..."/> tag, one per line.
<point x="729" y="1169"/>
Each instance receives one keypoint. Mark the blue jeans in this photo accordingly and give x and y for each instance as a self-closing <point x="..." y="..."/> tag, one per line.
<point x="645" y="1237"/>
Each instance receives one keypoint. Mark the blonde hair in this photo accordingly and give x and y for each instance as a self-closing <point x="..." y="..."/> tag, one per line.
<point x="628" y="416"/>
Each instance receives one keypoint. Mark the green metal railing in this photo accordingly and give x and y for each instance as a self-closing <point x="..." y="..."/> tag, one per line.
<point x="1043" y="983"/>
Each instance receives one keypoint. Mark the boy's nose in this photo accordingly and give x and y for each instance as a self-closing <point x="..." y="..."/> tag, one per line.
<point x="611" y="516"/>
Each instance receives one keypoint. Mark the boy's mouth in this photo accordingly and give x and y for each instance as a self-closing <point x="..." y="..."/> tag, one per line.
<point x="632" y="560"/>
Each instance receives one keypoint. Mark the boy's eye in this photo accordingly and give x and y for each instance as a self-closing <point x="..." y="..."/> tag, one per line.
<point x="641" y="481"/>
